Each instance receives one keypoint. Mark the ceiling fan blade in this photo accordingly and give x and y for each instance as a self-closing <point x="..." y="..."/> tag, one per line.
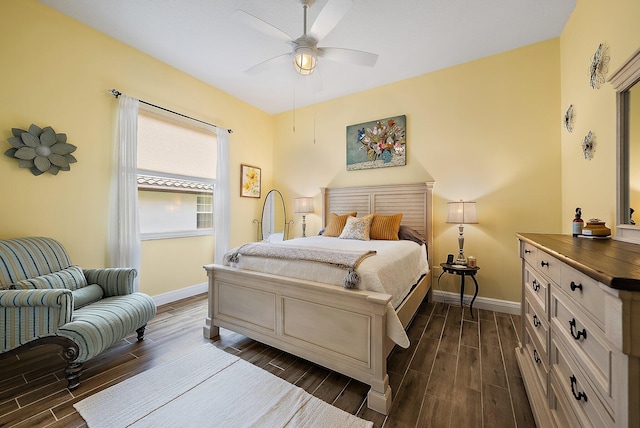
<point x="260" y="25"/>
<point x="350" y="56"/>
<point x="329" y="17"/>
<point x="271" y="62"/>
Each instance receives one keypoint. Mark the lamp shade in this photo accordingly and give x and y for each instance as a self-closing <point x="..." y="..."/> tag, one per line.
<point x="303" y="205"/>
<point x="462" y="212"/>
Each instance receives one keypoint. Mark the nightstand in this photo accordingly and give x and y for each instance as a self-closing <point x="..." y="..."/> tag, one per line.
<point x="462" y="271"/>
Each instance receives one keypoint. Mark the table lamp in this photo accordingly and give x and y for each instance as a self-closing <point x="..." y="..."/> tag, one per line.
<point x="303" y="206"/>
<point x="462" y="213"/>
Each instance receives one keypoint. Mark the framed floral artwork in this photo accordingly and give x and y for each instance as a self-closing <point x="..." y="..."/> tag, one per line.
<point x="377" y="144"/>
<point x="249" y="181"/>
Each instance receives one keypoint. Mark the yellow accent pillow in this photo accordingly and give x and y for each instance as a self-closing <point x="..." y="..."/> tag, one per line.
<point x="385" y="227"/>
<point x="336" y="224"/>
<point x="357" y="228"/>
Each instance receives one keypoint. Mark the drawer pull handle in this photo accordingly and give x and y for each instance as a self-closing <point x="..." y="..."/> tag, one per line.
<point x="580" y="395"/>
<point x="543" y="263"/>
<point x="536" y="285"/>
<point x="536" y="321"/>
<point x="536" y="357"/>
<point x="527" y="251"/>
<point x="575" y="286"/>
<point x="579" y="334"/>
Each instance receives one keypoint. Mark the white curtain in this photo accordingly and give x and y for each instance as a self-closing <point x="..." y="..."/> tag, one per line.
<point x="124" y="239"/>
<point x="222" y="197"/>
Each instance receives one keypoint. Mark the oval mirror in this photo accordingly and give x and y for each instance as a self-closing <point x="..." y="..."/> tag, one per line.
<point x="274" y="217"/>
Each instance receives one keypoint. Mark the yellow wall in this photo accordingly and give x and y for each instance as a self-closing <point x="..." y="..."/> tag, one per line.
<point x="487" y="131"/>
<point x="56" y="71"/>
<point x="591" y="185"/>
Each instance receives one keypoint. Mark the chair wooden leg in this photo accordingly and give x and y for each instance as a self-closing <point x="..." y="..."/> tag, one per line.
<point x="72" y="373"/>
<point x="140" y="332"/>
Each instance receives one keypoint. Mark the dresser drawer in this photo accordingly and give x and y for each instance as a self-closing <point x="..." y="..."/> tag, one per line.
<point x="561" y="411"/>
<point x="538" y="286"/>
<point x="529" y="253"/>
<point x="548" y="265"/>
<point x="573" y="385"/>
<point x="539" y="361"/>
<point x="585" y="291"/>
<point x="585" y="340"/>
<point x="536" y="320"/>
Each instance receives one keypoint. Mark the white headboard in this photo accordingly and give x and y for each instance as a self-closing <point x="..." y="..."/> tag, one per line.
<point x="414" y="201"/>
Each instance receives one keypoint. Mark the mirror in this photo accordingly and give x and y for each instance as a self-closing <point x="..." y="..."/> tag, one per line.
<point x="626" y="82"/>
<point x="274" y="218"/>
<point x="633" y="136"/>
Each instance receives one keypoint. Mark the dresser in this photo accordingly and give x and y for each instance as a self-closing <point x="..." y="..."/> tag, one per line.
<point x="579" y="349"/>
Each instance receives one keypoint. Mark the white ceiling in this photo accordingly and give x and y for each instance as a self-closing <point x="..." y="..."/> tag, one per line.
<point x="411" y="37"/>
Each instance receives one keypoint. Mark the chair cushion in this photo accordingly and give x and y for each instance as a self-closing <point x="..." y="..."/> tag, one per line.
<point x="98" y="326"/>
<point x="86" y="295"/>
<point x="24" y="258"/>
<point x="70" y="278"/>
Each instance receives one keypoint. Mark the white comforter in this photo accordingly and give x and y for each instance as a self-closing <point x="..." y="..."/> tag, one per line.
<point x="396" y="267"/>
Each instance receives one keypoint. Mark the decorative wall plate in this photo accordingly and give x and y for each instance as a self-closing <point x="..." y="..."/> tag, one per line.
<point x="599" y="66"/>
<point x="41" y="150"/>
<point x="589" y="145"/>
<point x="569" y="117"/>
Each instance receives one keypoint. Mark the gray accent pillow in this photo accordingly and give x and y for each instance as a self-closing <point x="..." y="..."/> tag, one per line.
<point x="410" y="234"/>
<point x="86" y="295"/>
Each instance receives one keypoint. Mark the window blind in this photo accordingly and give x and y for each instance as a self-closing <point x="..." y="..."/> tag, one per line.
<point x="169" y="146"/>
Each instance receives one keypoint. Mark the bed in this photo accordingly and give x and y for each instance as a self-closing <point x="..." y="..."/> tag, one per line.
<point x="346" y="330"/>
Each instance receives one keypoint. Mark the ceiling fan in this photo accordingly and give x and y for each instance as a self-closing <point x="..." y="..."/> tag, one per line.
<point x="305" y="50"/>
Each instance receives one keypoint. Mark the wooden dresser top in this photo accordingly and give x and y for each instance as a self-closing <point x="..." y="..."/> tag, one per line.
<point x="613" y="263"/>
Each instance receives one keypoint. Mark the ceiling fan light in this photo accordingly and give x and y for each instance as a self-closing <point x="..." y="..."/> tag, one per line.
<point x="305" y="60"/>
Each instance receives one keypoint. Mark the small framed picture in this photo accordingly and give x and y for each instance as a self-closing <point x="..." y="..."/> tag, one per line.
<point x="249" y="181"/>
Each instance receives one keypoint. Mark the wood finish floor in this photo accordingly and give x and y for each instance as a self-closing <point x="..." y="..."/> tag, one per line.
<point x="457" y="372"/>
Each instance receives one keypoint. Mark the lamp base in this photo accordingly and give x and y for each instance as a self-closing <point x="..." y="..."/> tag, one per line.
<point x="304" y="227"/>
<point x="460" y="260"/>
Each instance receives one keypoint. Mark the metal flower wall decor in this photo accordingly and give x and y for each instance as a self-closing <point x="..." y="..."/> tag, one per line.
<point x="41" y="150"/>
<point x="569" y="118"/>
<point x="589" y="145"/>
<point x="599" y="66"/>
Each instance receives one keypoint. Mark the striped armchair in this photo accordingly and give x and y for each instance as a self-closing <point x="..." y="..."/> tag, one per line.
<point x="46" y="299"/>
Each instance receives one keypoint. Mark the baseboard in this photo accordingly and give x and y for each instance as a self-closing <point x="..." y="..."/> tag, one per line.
<point x="183" y="293"/>
<point x="486" y="303"/>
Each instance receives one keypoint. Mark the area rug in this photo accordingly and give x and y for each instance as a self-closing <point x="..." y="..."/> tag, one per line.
<point x="210" y="388"/>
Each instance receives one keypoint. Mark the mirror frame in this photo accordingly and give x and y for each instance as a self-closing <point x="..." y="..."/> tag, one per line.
<point x="622" y="80"/>
<point x="285" y="231"/>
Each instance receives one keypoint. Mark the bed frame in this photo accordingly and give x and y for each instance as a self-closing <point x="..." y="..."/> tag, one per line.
<point x="343" y="330"/>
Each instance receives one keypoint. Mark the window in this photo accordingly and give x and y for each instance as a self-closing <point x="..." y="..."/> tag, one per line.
<point x="205" y="212"/>
<point x="176" y="177"/>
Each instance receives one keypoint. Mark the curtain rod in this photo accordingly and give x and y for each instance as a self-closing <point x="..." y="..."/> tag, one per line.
<point x="116" y="93"/>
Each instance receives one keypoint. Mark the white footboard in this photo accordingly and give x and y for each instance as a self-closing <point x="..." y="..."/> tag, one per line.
<point x="343" y="330"/>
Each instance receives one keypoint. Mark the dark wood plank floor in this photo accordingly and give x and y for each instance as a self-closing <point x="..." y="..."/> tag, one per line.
<point x="457" y="372"/>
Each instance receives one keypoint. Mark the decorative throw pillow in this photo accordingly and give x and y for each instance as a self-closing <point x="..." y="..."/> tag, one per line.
<point x="336" y="224"/>
<point x="385" y="227"/>
<point x="86" y="295"/>
<point x="409" y="234"/>
<point x="357" y="228"/>
<point x="70" y="278"/>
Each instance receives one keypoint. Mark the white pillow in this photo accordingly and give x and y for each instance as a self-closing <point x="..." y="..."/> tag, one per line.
<point x="357" y="228"/>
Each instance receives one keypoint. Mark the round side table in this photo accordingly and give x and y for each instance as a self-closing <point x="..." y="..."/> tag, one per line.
<point x="462" y="271"/>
